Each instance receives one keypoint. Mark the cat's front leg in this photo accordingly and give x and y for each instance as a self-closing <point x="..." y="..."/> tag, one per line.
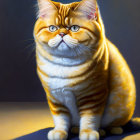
<point x="91" y="108"/>
<point x="60" y="132"/>
<point x="61" y="120"/>
<point x="89" y="125"/>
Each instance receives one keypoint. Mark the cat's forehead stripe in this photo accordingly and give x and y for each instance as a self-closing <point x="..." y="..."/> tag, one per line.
<point x="57" y="20"/>
<point x="64" y="9"/>
<point x="66" y="20"/>
<point x="63" y="14"/>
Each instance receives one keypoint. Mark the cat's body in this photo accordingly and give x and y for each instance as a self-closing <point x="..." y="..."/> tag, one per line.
<point x="91" y="87"/>
<point x="59" y="83"/>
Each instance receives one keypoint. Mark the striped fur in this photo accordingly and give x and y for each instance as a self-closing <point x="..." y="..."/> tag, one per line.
<point x="86" y="80"/>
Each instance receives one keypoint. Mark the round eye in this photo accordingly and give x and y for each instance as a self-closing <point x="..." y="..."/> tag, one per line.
<point x="75" y="28"/>
<point x="53" y="28"/>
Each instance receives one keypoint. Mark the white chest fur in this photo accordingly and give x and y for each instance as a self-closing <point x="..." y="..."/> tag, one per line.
<point x="67" y="98"/>
<point x="58" y="80"/>
<point x="59" y="75"/>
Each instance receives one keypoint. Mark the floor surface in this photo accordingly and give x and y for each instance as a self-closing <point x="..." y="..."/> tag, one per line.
<point x="32" y="121"/>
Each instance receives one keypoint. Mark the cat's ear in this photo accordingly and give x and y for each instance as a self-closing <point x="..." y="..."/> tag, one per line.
<point x="46" y="8"/>
<point x="88" y="8"/>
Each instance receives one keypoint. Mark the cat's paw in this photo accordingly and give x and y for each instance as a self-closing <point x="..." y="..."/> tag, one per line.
<point x="57" y="135"/>
<point x="87" y="134"/>
<point x="116" y="130"/>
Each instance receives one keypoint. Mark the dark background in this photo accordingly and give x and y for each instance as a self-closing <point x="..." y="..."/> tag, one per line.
<point x="18" y="78"/>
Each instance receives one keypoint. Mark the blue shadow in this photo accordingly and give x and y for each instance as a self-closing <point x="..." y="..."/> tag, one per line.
<point x="42" y="135"/>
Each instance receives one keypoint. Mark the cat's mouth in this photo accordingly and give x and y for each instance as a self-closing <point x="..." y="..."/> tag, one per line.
<point x="62" y="46"/>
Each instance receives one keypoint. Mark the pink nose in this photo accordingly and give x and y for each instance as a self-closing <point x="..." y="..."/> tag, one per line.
<point x="62" y="34"/>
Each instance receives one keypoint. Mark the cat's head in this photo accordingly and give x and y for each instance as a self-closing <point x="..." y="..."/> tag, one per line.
<point x="68" y="28"/>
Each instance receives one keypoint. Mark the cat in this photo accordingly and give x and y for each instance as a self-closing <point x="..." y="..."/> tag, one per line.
<point x="86" y="79"/>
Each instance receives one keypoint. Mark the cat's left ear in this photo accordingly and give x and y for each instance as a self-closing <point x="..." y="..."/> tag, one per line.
<point x="88" y="8"/>
<point x="46" y="8"/>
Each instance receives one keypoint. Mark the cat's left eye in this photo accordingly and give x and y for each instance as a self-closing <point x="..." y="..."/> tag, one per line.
<point x="74" y="28"/>
<point x="53" y="28"/>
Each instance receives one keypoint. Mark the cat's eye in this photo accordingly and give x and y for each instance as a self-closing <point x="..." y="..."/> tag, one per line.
<point x="53" y="28"/>
<point x="74" y="28"/>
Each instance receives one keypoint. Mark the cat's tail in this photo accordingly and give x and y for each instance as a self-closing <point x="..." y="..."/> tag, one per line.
<point x="132" y="125"/>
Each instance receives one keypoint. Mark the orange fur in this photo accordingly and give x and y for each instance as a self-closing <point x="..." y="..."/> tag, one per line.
<point x="111" y="91"/>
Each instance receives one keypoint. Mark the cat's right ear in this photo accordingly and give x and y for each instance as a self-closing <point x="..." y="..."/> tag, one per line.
<point x="88" y="8"/>
<point x="46" y="8"/>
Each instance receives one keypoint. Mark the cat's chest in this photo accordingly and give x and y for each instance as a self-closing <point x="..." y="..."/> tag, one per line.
<point x="67" y="98"/>
<point x="60" y="75"/>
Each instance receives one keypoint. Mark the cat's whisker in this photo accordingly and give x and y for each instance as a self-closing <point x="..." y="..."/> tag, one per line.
<point x="28" y="40"/>
<point x="31" y="54"/>
<point x="30" y="45"/>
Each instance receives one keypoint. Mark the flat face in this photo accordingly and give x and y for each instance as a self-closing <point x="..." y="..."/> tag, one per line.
<point x="63" y="28"/>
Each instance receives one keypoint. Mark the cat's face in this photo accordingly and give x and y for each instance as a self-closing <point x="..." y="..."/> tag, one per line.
<point x="66" y="28"/>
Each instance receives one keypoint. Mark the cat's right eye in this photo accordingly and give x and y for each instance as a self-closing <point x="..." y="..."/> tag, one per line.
<point x="75" y="28"/>
<point x="53" y="28"/>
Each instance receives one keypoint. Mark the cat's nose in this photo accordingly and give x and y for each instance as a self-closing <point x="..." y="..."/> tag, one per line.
<point x="62" y="34"/>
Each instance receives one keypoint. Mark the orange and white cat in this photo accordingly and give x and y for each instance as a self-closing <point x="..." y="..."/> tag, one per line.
<point x="87" y="81"/>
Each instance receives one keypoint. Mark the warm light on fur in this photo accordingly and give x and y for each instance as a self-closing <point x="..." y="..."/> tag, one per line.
<point x="87" y="81"/>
